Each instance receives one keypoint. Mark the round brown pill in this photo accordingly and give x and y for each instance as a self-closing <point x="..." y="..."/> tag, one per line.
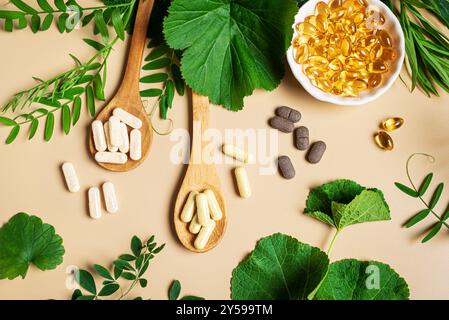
<point x="288" y="114"/>
<point x="286" y="168"/>
<point x="301" y="137"/>
<point x="282" y="124"/>
<point x="316" y="152"/>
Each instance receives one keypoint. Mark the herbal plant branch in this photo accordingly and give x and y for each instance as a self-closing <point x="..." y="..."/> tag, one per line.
<point x="81" y="9"/>
<point x="432" y="160"/>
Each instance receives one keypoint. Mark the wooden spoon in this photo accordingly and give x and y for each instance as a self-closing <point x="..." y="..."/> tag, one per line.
<point x="128" y="95"/>
<point x="199" y="176"/>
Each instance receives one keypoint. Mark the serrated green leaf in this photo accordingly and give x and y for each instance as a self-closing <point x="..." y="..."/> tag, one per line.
<point x="136" y="245"/>
<point x="86" y="281"/>
<point x="76" y="110"/>
<point x="425" y="185"/>
<point x="433" y="232"/>
<point x="154" y="78"/>
<point x="157" y="64"/>
<point x="178" y="79"/>
<point x="417" y="218"/>
<point x="45" y="6"/>
<point x="33" y="128"/>
<point x="279" y="268"/>
<point x="26" y="240"/>
<point x="7" y="121"/>
<point x="90" y="100"/>
<point x="117" y="22"/>
<point x="407" y="190"/>
<point x="35" y="23"/>
<point x="108" y="290"/>
<point x="150" y="93"/>
<point x="13" y="134"/>
<point x="49" y="126"/>
<point x="46" y="24"/>
<point x="61" y="5"/>
<point x="436" y="196"/>
<point x="170" y="93"/>
<point x="23" y="6"/>
<point x="175" y="290"/>
<point x="101" y="26"/>
<point x="62" y="22"/>
<point x="66" y="118"/>
<point x="231" y="47"/>
<point x="157" y="52"/>
<point x="351" y="279"/>
<point x="94" y="44"/>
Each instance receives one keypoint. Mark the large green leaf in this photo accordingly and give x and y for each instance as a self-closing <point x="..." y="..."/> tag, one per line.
<point x="362" y="280"/>
<point x="280" y="267"/>
<point x="231" y="47"/>
<point x="24" y="240"/>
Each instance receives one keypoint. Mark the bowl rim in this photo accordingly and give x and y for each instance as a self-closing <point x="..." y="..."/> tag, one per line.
<point x="348" y="101"/>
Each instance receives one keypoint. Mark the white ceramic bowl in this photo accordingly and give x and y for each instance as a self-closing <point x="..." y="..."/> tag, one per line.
<point x="392" y="25"/>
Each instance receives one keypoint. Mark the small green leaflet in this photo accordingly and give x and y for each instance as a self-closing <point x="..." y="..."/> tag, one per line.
<point x="231" y="47"/>
<point x="49" y="126"/>
<point x="175" y="290"/>
<point x="26" y="240"/>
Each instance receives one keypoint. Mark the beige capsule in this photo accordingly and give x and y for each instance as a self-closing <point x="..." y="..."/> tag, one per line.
<point x="189" y="207"/>
<point x="214" y="207"/>
<point x="194" y="226"/>
<point x="204" y="235"/>
<point x="243" y="184"/>
<point x="202" y="209"/>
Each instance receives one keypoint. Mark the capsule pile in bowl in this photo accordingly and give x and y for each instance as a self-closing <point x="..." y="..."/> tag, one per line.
<point x="342" y="47"/>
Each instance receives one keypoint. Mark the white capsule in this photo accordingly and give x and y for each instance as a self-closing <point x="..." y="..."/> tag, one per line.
<point x="98" y="134"/>
<point x="243" y="182"/>
<point x="189" y="207"/>
<point x="202" y="209"/>
<point x="135" y="144"/>
<point x="71" y="179"/>
<point x="115" y="131"/>
<point x="194" y="226"/>
<point x="111" y="157"/>
<point x="237" y="153"/>
<point x="94" y="203"/>
<point x="203" y="237"/>
<point x="214" y="207"/>
<point x="110" y="197"/>
<point x="128" y="118"/>
<point x="108" y="138"/>
<point x="124" y="147"/>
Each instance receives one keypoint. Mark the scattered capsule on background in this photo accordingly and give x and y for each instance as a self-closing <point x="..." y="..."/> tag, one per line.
<point x="94" y="203"/>
<point x="286" y="168"/>
<point x="70" y="176"/>
<point x="301" y="137"/>
<point x="384" y="141"/>
<point x="110" y="197"/>
<point x="243" y="185"/>
<point x="392" y="124"/>
<point x="288" y="113"/>
<point x="282" y="124"/>
<point x="316" y="152"/>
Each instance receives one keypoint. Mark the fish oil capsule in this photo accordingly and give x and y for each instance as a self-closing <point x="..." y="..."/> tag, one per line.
<point x="339" y="28"/>
<point x="365" y="28"/>
<point x="368" y="41"/>
<point x="135" y="144"/>
<point x="350" y="27"/>
<point x="94" y="203"/>
<point x="338" y="87"/>
<point x="322" y="9"/>
<point x="71" y="179"/>
<point x="214" y="207"/>
<point x="189" y="207"/>
<point x="114" y="131"/>
<point x="374" y="80"/>
<point x="98" y="135"/>
<point x="306" y="28"/>
<point x="318" y="61"/>
<point x="111" y="157"/>
<point x="349" y="75"/>
<point x="301" y="138"/>
<point x="110" y="197"/>
<point x="315" y="72"/>
<point x="108" y="138"/>
<point x="384" y="141"/>
<point x="282" y="124"/>
<point x="333" y="76"/>
<point x="127" y="118"/>
<point x="302" y="53"/>
<point x="337" y="14"/>
<point x="242" y="182"/>
<point x="202" y="209"/>
<point x="237" y="153"/>
<point x="388" y="54"/>
<point x="362" y="53"/>
<point x="384" y="38"/>
<point x="321" y="23"/>
<point x="301" y="39"/>
<point x="358" y="84"/>
<point x="377" y="66"/>
<point x="204" y="235"/>
<point x="333" y="52"/>
<point x="357" y="17"/>
<point x="335" y="65"/>
<point x="335" y="5"/>
<point x="311" y="20"/>
<point x="354" y="63"/>
<point x="288" y="113"/>
<point x="316" y="152"/>
<point x="194" y="226"/>
<point x="124" y="147"/>
<point x="392" y="124"/>
<point x="350" y="91"/>
<point x="286" y="168"/>
<point x="346" y="46"/>
<point x="324" y="85"/>
<point x="376" y="52"/>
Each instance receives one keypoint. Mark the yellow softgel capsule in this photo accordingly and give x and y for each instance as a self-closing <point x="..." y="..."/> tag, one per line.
<point x="384" y="38"/>
<point x="306" y="28"/>
<point x="321" y="23"/>
<point x="350" y="27"/>
<point x="354" y="63"/>
<point x="350" y="91"/>
<point x="335" y="5"/>
<point x="324" y="85"/>
<point x="377" y="66"/>
<point x="362" y="53"/>
<point x="357" y="17"/>
<point x="315" y="72"/>
<point x="374" y="80"/>
<point x="392" y="124"/>
<point x="376" y="52"/>
<point x="302" y="54"/>
<point x="322" y="9"/>
<point x="346" y="46"/>
<point x="335" y="39"/>
<point x="335" y="65"/>
<point x="318" y="61"/>
<point x="388" y="54"/>
<point x="384" y="141"/>
<point x="367" y="41"/>
<point x="337" y="14"/>
<point x="360" y="85"/>
<point x="333" y="52"/>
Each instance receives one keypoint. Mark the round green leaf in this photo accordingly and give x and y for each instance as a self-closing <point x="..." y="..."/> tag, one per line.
<point x="280" y="267"/>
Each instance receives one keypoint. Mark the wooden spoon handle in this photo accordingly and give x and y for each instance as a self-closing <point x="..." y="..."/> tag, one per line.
<point x="132" y="73"/>
<point x="200" y="109"/>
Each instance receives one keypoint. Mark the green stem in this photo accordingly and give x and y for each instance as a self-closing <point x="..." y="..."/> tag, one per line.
<point x="331" y="245"/>
<point x="83" y="9"/>
<point x="432" y="160"/>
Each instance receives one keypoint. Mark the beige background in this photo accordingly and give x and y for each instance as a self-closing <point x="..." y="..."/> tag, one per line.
<point x="31" y="181"/>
